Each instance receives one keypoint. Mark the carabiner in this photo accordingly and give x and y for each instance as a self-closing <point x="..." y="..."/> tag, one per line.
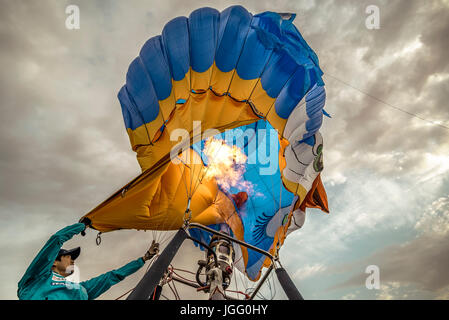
<point x="98" y="239"/>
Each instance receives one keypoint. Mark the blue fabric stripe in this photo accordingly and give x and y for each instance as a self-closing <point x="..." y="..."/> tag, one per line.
<point x="125" y="112"/>
<point x="175" y="38"/>
<point x="292" y="93"/>
<point x="234" y="30"/>
<point x="315" y="92"/>
<point x="141" y="91"/>
<point x="310" y="141"/>
<point x="256" y="52"/>
<point x="301" y="50"/>
<point x="270" y="22"/>
<point x="313" y="124"/>
<point x="203" y="30"/>
<point x="223" y="19"/>
<point x="204" y="236"/>
<point x="153" y="58"/>
<point x="315" y="100"/>
<point x="293" y="46"/>
<point x="279" y="69"/>
<point x="135" y="119"/>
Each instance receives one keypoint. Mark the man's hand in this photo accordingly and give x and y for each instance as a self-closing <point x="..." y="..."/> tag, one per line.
<point x="87" y="223"/>
<point x="154" y="250"/>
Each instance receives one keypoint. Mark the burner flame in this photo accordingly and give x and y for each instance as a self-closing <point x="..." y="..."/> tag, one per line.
<point x="226" y="164"/>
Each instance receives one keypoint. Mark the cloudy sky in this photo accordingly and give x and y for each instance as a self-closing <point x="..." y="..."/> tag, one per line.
<point x="64" y="148"/>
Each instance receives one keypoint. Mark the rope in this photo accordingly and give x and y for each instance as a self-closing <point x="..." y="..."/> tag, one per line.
<point x="247" y="296"/>
<point x="151" y="263"/>
<point x="389" y="105"/>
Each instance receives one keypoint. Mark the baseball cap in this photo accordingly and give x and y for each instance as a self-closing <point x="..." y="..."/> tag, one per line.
<point x="74" y="253"/>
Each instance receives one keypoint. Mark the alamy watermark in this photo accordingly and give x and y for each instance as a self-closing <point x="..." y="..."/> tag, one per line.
<point x="372" y="21"/>
<point x="373" y="280"/>
<point x="260" y="151"/>
<point x="72" y="22"/>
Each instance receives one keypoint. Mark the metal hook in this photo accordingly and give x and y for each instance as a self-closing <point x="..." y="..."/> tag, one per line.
<point x="98" y="239"/>
<point x="187" y="214"/>
<point x="276" y="252"/>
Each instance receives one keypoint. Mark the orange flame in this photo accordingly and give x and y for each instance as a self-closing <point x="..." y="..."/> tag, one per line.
<point x="226" y="164"/>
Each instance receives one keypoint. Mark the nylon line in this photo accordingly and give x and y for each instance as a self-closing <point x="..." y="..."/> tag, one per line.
<point x="388" y="104"/>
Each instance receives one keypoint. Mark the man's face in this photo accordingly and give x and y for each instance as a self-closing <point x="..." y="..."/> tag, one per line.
<point x="65" y="266"/>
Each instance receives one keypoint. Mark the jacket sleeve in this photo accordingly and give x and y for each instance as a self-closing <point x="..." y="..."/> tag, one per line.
<point x="98" y="285"/>
<point x="43" y="262"/>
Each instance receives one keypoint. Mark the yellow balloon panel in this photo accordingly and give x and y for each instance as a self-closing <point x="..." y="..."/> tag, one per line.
<point x="200" y="80"/>
<point x="181" y="88"/>
<point x="241" y="89"/>
<point x="158" y="200"/>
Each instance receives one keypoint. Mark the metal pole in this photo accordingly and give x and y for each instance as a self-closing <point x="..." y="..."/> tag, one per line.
<point x="200" y="226"/>
<point x="150" y="280"/>
<point x="157" y="293"/>
<point x="287" y="284"/>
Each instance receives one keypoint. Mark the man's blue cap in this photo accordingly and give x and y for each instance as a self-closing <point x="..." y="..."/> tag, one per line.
<point x="74" y="253"/>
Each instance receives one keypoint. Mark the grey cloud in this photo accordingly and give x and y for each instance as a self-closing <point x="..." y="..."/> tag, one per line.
<point x="422" y="262"/>
<point x="370" y="125"/>
<point x="63" y="144"/>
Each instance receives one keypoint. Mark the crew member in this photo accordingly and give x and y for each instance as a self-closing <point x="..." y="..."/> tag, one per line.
<point x="45" y="277"/>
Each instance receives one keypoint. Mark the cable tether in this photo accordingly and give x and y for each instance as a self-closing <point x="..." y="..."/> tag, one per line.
<point x="388" y="104"/>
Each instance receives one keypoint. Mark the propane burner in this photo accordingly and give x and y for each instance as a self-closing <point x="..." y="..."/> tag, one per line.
<point x="219" y="263"/>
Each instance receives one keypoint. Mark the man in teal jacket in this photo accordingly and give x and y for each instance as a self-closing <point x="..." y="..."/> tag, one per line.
<point x="45" y="277"/>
